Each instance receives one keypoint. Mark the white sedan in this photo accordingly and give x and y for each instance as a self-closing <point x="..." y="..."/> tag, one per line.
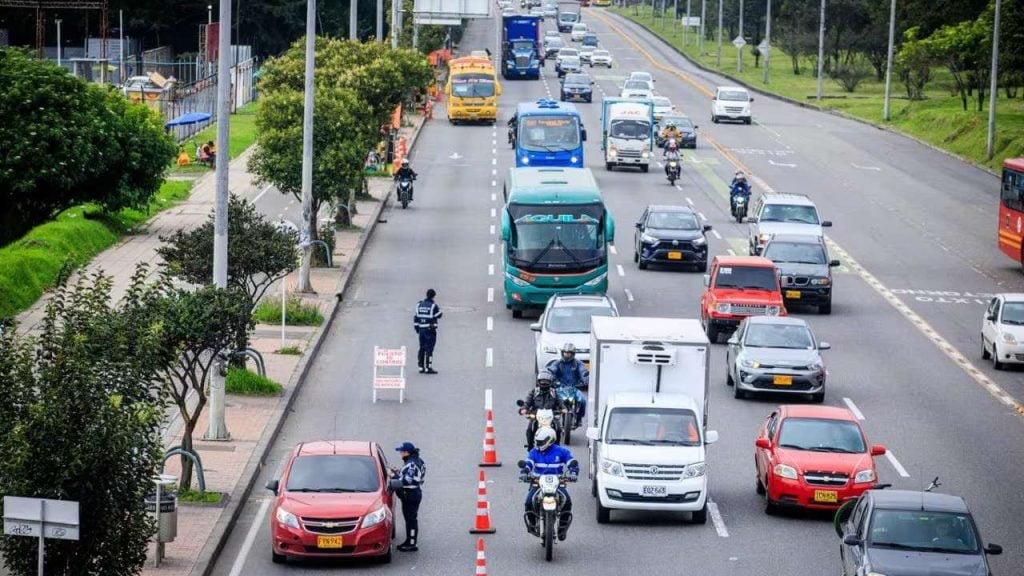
<point x="566" y="318"/>
<point x="1002" y="330"/>
<point x="601" y="58"/>
<point x="637" y="89"/>
<point x="586" y="52"/>
<point x="662" y="107"/>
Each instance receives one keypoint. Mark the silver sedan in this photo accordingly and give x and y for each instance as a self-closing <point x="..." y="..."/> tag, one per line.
<point x="776" y="354"/>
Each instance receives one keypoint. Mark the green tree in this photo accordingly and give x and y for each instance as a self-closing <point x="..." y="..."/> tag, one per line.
<point x="913" y="64"/>
<point x="966" y="51"/>
<point x="796" y="31"/>
<point x="81" y="414"/>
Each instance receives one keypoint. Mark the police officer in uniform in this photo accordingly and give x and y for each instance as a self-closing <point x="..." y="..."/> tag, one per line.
<point x="410" y="490"/>
<point x="425" y="324"/>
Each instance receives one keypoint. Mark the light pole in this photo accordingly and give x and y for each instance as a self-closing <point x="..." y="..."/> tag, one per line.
<point x="307" y="149"/>
<point x="396" y="27"/>
<point x="718" y="61"/>
<point x="739" y="49"/>
<point x="352" y="20"/>
<point x="821" y="48"/>
<point x="993" y="84"/>
<point x="209" y="24"/>
<point x="686" y="29"/>
<point x="120" y="43"/>
<point x="703" y="15"/>
<point x="58" y="41"/>
<point x="888" y="59"/>
<point x="380" y="21"/>
<point x="767" y="38"/>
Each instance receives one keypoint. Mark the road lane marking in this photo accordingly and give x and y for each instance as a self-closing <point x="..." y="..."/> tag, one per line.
<point x="262" y="192"/>
<point x="612" y="248"/>
<point x="490" y="248"/>
<point x="490" y="269"/>
<point x="782" y="164"/>
<point x="494" y="183"/>
<point x="494" y="161"/>
<point x="702" y="216"/>
<point x="494" y="197"/>
<point x="678" y="187"/>
<point x="896" y="464"/>
<point x="731" y="252"/>
<point x="620" y="270"/>
<point x="494" y="172"/>
<point x="859" y="167"/>
<point x="717" y="235"/>
<point x="629" y="295"/>
<point x="490" y="324"/>
<point x="488" y="399"/>
<point x="489" y="362"/>
<point x="689" y="201"/>
<point x="492" y="229"/>
<point x="495" y="141"/>
<point x="853" y="408"/>
<point x="490" y="294"/>
<point x="716" y="519"/>
<point x="494" y="212"/>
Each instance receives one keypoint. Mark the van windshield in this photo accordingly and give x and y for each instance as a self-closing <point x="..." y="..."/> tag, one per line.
<point x="733" y="95"/>
<point x="653" y="427"/>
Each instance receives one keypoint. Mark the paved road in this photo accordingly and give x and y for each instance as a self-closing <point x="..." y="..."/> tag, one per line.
<point x="894" y="214"/>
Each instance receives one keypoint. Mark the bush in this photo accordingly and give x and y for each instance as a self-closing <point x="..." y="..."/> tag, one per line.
<point x="325" y="233"/>
<point x="297" y="312"/>
<point x="246" y="383"/>
<point x="849" y="75"/>
<point x="290" y="351"/>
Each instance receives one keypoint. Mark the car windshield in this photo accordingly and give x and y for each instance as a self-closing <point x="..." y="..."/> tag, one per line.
<point x="796" y="253"/>
<point x="733" y="96"/>
<point x="579" y="28"/>
<point x="601" y="53"/>
<point x="1013" y="313"/>
<point x="568" y="17"/>
<point x="630" y="129"/>
<point x="636" y="85"/>
<point x="924" y="531"/>
<point x="673" y="221"/>
<point x="577" y="79"/>
<point x="473" y="85"/>
<point x="555" y="43"/>
<point x="642" y="76"/>
<point x="552" y="237"/>
<point x="334" y="473"/>
<point x="590" y="40"/>
<point x="653" y="427"/>
<point x="570" y="62"/>
<point x="746" y="278"/>
<point x="549" y="133"/>
<point x="681" y="122"/>
<point x="662" y="103"/>
<point x="821" y="435"/>
<point x="567" y="52"/>
<point x="573" y="319"/>
<point x="790" y="336"/>
<point x="799" y="213"/>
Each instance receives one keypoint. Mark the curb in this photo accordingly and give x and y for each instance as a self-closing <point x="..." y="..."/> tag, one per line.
<point x="794" y="101"/>
<point x="226" y="523"/>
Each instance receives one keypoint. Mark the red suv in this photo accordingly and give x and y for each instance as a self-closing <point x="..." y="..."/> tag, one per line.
<point x="333" y="501"/>
<point x="737" y="287"/>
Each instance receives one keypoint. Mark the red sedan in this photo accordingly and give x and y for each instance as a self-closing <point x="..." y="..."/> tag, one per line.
<point x="333" y="501"/>
<point x="813" y="457"/>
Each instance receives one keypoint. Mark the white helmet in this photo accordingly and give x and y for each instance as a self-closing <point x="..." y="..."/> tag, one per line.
<point x="544" y="438"/>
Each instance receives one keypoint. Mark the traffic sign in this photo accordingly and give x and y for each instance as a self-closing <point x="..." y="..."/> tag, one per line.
<point x="763" y="47"/>
<point x="40" y="517"/>
<point x="739" y="42"/>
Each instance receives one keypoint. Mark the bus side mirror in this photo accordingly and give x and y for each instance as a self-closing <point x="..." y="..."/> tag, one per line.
<point x="506" y="226"/>
<point x="583" y="134"/>
<point x="609" y="229"/>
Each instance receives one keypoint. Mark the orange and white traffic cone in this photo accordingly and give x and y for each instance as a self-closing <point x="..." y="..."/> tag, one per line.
<point x="490" y="458"/>
<point x="483" y="509"/>
<point x="481" y="558"/>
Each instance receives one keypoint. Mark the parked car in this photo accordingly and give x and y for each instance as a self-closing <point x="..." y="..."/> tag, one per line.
<point x="806" y="269"/>
<point x="731" y="103"/>
<point x="333" y="501"/>
<point x="601" y="58"/>
<point x="686" y="128"/>
<point x="773" y="354"/>
<point x="671" y="235"/>
<point x="577" y="86"/>
<point x="782" y="214"/>
<point x="566" y="318"/>
<point x="1002" y="330"/>
<point x="738" y="287"/>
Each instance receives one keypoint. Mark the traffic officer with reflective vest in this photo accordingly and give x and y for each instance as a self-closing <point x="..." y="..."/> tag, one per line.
<point x="408" y="485"/>
<point x="425" y="324"/>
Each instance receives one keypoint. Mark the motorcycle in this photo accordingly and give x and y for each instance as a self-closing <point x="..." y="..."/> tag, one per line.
<point x="544" y="418"/>
<point x="548" y="503"/>
<point x="739" y="207"/>
<point x="512" y="136"/>
<point x="571" y="396"/>
<point x="405" y="191"/>
<point x="672" y="170"/>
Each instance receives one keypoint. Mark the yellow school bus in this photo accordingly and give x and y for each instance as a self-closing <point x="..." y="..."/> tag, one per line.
<point x="472" y="90"/>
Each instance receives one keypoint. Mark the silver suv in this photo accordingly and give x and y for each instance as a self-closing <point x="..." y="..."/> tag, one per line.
<point x="782" y="214"/>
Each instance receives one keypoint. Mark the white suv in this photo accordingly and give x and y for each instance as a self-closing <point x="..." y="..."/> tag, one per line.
<point x="731" y="103"/>
<point x="782" y="214"/>
<point x="566" y="318"/>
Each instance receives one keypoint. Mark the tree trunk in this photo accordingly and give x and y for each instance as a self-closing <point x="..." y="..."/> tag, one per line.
<point x="185" y="483"/>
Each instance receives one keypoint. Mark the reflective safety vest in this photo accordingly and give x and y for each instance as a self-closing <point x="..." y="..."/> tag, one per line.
<point x="427" y="315"/>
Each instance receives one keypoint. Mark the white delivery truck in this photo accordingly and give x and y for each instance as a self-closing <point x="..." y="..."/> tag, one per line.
<point x="648" y="416"/>
<point x="627" y="126"/>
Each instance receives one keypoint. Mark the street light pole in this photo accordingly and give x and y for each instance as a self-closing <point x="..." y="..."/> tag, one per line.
<point x="380" y="21"/>
<point x="993" y="84"/>
<point x="888" y="59"/>
<point x="396" y="27"/>
<point x="767" y="39"/>
<point x="686" y="29"/>
<point x="206" y="49"/>
<point x="718" y="60"/>
<point x="120" y="42"/>
<point x="703" y="15"/>
<point x="307" y="149"/>
<point x="821" y="48"/>
<point x="58" y="21"/>
<point x="352" y="19"/>
<point x="739" y="49"/>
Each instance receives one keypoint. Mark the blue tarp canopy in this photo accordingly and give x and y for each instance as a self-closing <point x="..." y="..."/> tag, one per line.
<point x="190" y="118"/>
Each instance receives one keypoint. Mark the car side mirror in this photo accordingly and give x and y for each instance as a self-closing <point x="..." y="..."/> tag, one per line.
<point x="592" y="434"/>
<point x="824" y="346"/>
<point x="535" y="326"/>
<point x="713" y="98"/>
<point x="852" y="540"/>
<point x="707" y="280"/>
<point x="695" y="126"/>
<point x="990" y="317"/>
<point x="711" y="436"/>
<point x="835" y="264"/>
<point x="752" y="220"/>
<point x="763" y="443"/>
<point x="751" y="100"/>
<point x="273" y="485"/>
<point x="640" y="224"/>
<point x="878" y="450"/>
<point x="707" y="227"/>
<point x="994" y="549"/>
<point x="733" y="340"/>
<point x="826" y="224"/>
<point x="520" y="403"/>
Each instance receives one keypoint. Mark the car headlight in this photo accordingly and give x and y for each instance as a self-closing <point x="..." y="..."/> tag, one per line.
<point x="509" y="65"/>
<point x="1009" y="338"/>
<point x="700" y="241"/>
<point x="864" y="476"/>
<point x="784" y="471"/>
<point x="723" y="308"/>
<point x="612" y="152"/>
<point x="648" y="238"/>
<point x="516" y="280"/>
<point x="762" y="238"/>
<point x="645" y="154"/>
<point x="750" y="364"/>
<point x="817" y="366"/>
<point x="612" y="468"/>
<point x="375" y="517"/>
<point x="287" y="518"/>
<point x="772" y="311"/>
<point x="821" y="281"/>
<point x="597" y="280"/>
<point x="694" y="470"/>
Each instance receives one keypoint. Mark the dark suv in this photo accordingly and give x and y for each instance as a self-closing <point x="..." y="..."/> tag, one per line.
<point x="577" y="87"/>
<point x="806" y="270"/>
<point x="671" y="235"/>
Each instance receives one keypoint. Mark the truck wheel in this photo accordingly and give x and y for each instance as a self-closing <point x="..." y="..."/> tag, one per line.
<point x="700" y="516"/>
<point x="644" y="167"/>
<point x="609" y="166"/>
<point x="712" y="332"/>
<point x="516" y="313"/>
<point x="604" y="515"/>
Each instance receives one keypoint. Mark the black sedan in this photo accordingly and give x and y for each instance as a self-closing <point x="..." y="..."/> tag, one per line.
<point x="685" y="126"/>
<point x="671" y="235"/>
<point x="806" y="270"/>
<point x="577" y="87"/>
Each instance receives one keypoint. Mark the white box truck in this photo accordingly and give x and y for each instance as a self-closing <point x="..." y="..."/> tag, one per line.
<point x="648" y="416"/>
<point x="627" y="127"/>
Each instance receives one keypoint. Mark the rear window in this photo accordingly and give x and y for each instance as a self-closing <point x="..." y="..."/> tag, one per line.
<point x="746" y="278"/>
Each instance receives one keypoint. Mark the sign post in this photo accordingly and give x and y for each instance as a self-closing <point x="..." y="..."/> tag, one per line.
<point x="40" y="518"/>
<point x="385" y="363"/>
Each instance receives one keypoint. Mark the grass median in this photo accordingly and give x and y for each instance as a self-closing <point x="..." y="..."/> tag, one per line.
<point x="938" y="119"/>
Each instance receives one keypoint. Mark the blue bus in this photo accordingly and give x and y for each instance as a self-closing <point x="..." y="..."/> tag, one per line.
<point x="550" y="133"/>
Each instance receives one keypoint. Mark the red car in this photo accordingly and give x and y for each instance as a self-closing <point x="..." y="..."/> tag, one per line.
<point x="813" y="457"/>
<point x="333" y="501"/>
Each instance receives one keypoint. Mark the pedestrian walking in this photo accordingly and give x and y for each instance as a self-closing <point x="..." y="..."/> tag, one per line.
<point x="425" y="324"/>
<point x="409" y="484"/>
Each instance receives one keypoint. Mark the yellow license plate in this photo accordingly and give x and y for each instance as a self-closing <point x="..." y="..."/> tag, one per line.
<point x="675" y="255"/>
<point x="795" y="294"/>
<point x="329" y="542"/>
<point x="826" y="496"/>
<point x="780" y="380"/>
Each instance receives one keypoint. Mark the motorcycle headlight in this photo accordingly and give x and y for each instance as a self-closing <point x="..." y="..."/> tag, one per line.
<point x="648" y="238"/>
<point x="772" y="311"/>
<point x="375" y="517"/>
<point x="287" y="518"/>
<point x="864" y="476"/>
<point x="612" y="468"/>
<point x="1009" y="338"/>
<point x="596" y="280"/>
<point x="700" y="241"/>
<point x="694" y="470"/>
<point x="516" y="280"/>
<point x="821" y="281"/>
<point x="723" y="308"/>
<point x="784" y="471"/>
<point x="750" y="364"/>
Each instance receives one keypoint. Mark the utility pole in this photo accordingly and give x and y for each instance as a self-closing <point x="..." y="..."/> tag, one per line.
<point x="120" y="32"/>
<point x="703" y="15"/>
<point x="209" y="25"/>
<point x="718" y="61"/>
<point x="59" y="46"/>
<point x="767" y="39"/>
<point x="888" y="59"/>
<point x="739" y="49"/>
<point x="396" y="27"/>
<point x="380" y="21"/>
<point x="352" y="20"/>
<point x="218" y="428"/>
<point x="686" y="29"/>
<point x="993" y="84"/>
<point x="307" y="149"/>
<point x="821" y="48"/>
<point x="415" y="35"/>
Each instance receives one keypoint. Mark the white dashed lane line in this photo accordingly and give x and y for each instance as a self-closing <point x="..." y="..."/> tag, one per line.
<point x="716" y="519"/>
<point x="611" y="247"/>
<point x="490" y="248"/>
<point x="622" y="272"/>
<point x="489" y="358"/>
<point x="490" y="323"/>
<point x="490" y="294"/>
<point x="492" y="229"/>
<point x="896" y="464"/>
<point x="490" y="269"/>
<point x="689" y="201"/>
<point x="494" y="212"/>
<point x="853" y="408"/>
<point x="702" y="216"/>
<point x="731" y="252"/>
<point x="717" y="235"/>
<point x="629" y="295"/>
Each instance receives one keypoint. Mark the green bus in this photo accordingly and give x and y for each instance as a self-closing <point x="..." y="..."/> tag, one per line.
<point x="556" y="231"/>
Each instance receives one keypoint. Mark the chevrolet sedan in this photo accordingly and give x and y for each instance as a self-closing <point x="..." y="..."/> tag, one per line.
<point x="776" y="354"/>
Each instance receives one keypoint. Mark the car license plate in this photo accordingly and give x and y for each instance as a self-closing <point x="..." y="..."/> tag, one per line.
<point x="826" y="496"/>
<point x="654" y="491"/>
<point x="675" y="255"/>
<point x="780" y="380"/>
<point x="329" y="542"/>
<point x="795" y="294"/>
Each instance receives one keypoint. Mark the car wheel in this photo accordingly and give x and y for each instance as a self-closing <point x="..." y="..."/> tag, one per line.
<point x="995" y="358"/>
<point x="604" y="515"/>
<point x="643" y="265"/>
<point x="593" y="487"/>
<point x="748" y="121"/>
<point x="644" y="168"/>
<point x="818" y="397"/>
<point x="636" y="258"/>
<point x="387" y="557"/>
<point x="728" y="376"/>
<point x="277" y="558"/>
<point x="517" y="313"/>
<point x="714" y="119"/>
<point x="769" y="507"/>
<point x="984" y="351"/>
<point x="712" y="332"/>
<point x="825" y="308"/>
<point x="760" y="486"/>
<point x="703" y="266"/>
<point x="700" y="516"/>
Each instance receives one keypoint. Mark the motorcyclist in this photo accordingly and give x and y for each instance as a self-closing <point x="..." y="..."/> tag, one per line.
<point x="543" y="397"/>
<point x="548" y="458"/>
<point x="513" y="125"/>
<point x="404" y="172"/>
<point x="671" y="153"/>
<point x="671" y="132"/>
<point x="738" y="187"/>
<point x="570" y="372"/>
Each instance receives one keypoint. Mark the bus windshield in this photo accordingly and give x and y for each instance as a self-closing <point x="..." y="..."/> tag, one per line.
<point x="556" y="237"/>
<point x="473" y="85"/>
<point x="549" y="133"/>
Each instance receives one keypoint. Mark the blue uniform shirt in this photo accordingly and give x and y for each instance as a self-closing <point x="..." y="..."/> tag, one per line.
<point x="427" y="315"/>
<point x="550" y="461"/>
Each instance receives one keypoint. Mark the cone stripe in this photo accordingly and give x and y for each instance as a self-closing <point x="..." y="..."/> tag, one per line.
<point x="483" y="509"/>
<point x="490" y="457"/>
<point x="481" y="560"/>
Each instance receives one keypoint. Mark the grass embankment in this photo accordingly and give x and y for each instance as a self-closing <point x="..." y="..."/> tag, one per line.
<point x="939" y="119"/>
<point x="193" y="497"/>
<point x="33" y="263"/>
<point x="246" y="383"/>
<point x="243" y="135"/>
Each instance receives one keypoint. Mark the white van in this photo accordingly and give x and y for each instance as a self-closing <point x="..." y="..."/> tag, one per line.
<point x="579" y="30"/>
<point x="731" y="103"/>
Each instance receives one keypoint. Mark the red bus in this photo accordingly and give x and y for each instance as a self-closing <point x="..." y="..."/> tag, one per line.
<point x="1011" y="209"/>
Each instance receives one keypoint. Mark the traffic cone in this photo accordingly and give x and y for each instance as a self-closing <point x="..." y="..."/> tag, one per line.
<point x="483" y="509"/>
<point x="490" y="454"/>
<point x="481" y="559"/>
